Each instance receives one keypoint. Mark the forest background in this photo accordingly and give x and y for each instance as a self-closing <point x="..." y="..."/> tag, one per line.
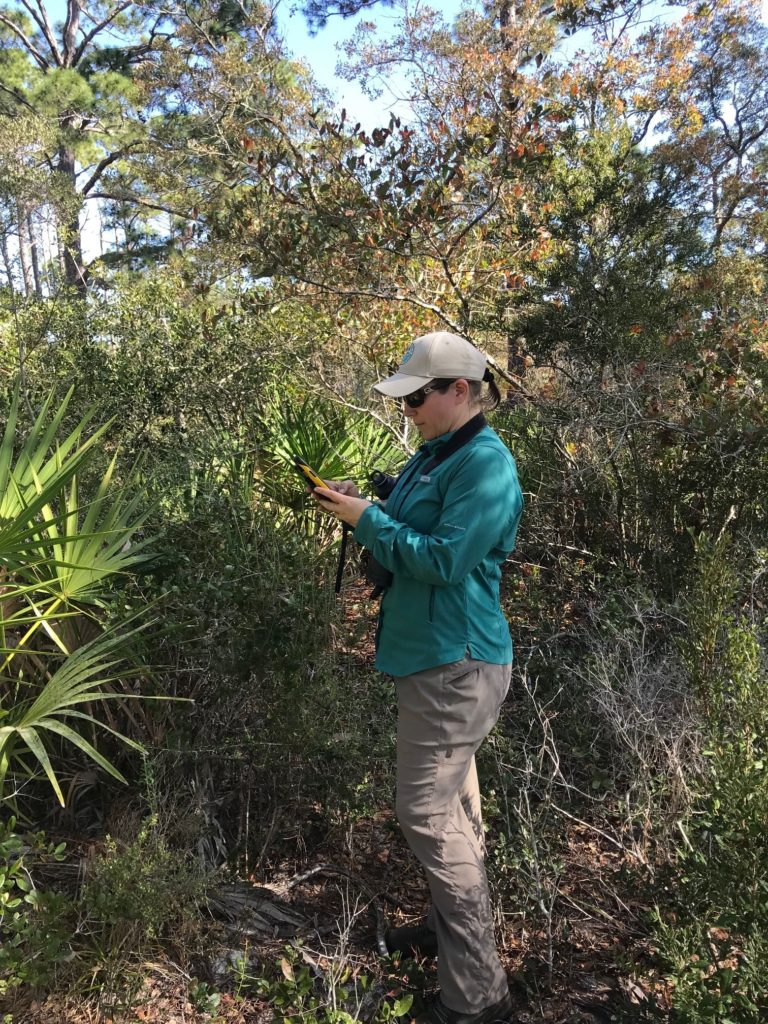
<point x="189" y="718"/>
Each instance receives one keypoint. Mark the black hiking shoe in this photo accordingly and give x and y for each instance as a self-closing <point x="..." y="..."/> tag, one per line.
<point x="438" y="1013"/>
<point x="412" y="940"/>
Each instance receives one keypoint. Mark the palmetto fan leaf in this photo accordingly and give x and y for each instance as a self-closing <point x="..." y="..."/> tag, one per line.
<point x="38" y="473"/>
<point x="310" y="431"/>
<point x="58" y="554"/>
<point x="335" y="442"/>
<point x="80" y="679"/>
<point x="83" y="555"/>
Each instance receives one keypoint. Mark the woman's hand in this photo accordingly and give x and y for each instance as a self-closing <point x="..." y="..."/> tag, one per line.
<point x="344" y="505"/>
<point x="347" y="487"/>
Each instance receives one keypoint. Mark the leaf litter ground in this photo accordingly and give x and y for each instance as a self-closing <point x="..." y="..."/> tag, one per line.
<point x="585" y="961"/>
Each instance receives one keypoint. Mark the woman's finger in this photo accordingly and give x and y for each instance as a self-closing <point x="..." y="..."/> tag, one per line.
<point x="326" y="494"/>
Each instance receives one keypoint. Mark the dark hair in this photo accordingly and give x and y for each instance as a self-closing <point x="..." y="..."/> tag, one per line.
<point x="489" y="400"/>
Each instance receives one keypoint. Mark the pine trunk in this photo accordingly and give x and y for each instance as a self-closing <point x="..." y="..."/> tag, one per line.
<point x="7" y="262"/>
<point x="24" y="257"/>
<point x="35" y="255"/>
<point x="69" y="232"/>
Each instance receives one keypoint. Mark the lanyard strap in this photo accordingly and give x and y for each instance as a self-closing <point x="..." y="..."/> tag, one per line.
<point x="345" y="528"/>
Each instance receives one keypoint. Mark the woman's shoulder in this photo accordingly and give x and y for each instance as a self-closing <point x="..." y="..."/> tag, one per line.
<point x="485" y="453"/>
<point x="488" y="444"/>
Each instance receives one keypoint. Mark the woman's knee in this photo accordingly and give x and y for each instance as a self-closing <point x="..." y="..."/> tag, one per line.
<point x="410" y="819"/>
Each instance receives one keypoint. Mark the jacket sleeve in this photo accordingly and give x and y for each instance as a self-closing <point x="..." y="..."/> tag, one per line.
<point x="480" y="511"/>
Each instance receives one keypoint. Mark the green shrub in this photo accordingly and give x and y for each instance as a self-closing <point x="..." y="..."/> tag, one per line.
<point x="711" y="933"/>
<point x="34" y="936"/>
<point x="146" y="886"/>
<point x="715" y="977"/>
<point x="300" y="993"/>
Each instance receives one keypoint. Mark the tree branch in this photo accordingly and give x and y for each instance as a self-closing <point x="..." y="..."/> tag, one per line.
<point x="43" y="23"/>
<point x="360" y="408"/>
<point x="471" y="223"/>
<point x="723" y="220"/>
<point x="102" y="166"/>
<point x="510" y="378"/>
<point x="18" y="97"/>
<point x="637" y="137"/>
<point x="98" y="27"/>
<point x="126" y="198"/>
<point x="26" y="42"/>
<point x="71" y="26"/>
<point x="386" y="296"/>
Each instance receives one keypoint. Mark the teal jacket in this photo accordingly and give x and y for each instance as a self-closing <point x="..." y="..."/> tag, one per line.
<point x="444" y="537"/>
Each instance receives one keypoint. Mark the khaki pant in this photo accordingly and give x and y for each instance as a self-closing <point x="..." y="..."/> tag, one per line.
<point x="444" y="714"/>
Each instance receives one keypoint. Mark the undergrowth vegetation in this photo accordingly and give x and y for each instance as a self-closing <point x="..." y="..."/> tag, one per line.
<point x="194" y="746"/>
<point x="638" y="712"/>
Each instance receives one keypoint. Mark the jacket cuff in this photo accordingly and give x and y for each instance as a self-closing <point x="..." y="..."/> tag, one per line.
<point x="369" y="525"/>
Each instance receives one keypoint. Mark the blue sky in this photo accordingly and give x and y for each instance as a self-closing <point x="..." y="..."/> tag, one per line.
<point x="322" y="51"/>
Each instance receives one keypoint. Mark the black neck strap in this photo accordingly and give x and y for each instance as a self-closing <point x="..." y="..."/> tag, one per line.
<point x="462" y="436"/>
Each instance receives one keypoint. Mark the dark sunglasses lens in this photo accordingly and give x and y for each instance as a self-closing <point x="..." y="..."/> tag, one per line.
<point x="415" y="400"/>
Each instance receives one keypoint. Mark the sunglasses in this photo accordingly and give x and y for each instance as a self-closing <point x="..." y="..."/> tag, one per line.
<point x="417" y="398"/>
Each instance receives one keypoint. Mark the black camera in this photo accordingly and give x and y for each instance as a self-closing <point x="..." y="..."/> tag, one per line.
<point x="382" y="484"/>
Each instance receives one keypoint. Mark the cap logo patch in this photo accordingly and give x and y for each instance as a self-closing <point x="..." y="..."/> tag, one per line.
<point x="407" y="355"/>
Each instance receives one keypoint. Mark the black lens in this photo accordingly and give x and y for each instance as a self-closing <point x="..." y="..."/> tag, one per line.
<point x="416" y="399"/>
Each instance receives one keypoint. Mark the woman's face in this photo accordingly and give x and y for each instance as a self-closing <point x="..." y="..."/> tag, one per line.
<point x="441" y="411"/>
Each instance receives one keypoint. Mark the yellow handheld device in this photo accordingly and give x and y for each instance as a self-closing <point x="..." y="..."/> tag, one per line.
<point x="309" y="475"/>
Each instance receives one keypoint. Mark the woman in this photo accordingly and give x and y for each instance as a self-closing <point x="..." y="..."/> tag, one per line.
<point x="445" y="531"/>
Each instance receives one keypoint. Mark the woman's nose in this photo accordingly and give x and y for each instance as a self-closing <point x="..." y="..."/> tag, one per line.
<point x="407" y="410"/>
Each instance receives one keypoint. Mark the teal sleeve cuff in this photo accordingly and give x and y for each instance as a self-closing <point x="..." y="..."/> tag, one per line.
<point x="369" y="525"/>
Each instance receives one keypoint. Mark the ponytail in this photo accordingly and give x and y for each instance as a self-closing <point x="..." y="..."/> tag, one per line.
<point x="492" y="398"/>
<point x="494" y="395"/>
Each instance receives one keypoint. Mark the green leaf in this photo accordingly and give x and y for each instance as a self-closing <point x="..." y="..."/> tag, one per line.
<point x="29" y="736"/>
<point x="58" y="552"/>
<point x="402" y="1005"/>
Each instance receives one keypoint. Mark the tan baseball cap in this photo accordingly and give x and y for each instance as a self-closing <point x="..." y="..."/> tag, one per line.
<point x="431" y="357"/>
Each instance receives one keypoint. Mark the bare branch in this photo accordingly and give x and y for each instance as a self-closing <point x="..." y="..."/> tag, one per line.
<point x="198" y="27"/>
<point x="98" y="27"/>
<point x="395" y="296"/>
<point x="723" y="220"/>
<point x="637" y="137"/>
<point x="27" y="43"/>
<point x="102" y="166"/>
<point x="127" y="198"/>
<point x="471" y="223"/>
<point x="43" y="23"/>
<point x="359" y="408"/>
<point x="134" y="53"/>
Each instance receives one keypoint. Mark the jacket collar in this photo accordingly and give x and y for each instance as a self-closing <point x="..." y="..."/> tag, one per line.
<point x="464" y="433"/>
